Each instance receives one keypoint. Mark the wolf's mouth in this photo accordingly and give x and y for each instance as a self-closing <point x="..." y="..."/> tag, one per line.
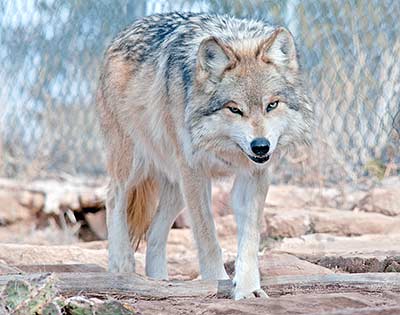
<point x="259" y="159"/>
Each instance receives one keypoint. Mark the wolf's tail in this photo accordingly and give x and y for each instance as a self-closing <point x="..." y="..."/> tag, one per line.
<point x="141" y="206"/>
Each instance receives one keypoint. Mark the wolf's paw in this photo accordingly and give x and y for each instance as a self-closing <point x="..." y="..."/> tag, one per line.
<point x="244" y="293"/>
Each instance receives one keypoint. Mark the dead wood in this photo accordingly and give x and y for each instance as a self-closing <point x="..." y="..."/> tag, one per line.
<point x="103" y="284"/>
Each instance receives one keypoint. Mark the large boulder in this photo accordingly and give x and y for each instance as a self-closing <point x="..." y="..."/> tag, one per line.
<point x="382" y="200"/>
<point x="294" y="222"/>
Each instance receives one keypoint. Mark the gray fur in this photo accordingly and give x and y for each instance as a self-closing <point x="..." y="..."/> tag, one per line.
<point x="181" y="97"/>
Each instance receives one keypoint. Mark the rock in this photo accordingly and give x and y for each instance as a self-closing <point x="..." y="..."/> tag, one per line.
<point x="293" y="196"/>
<point x="288" y="196"/>
<point x="11" y="211"/>
<point x="321" y="245"/>
<point x="97" y="223"/>
<point x="272" y="264"/>
<point x="32" y="200"/>
<point x="297" y="222"/>
<point x="16" y="254"/>
<point x="382" y="200"/>
<point x="58" y="195"/>
<point x="287" y="223"/>
<point x="353" y="223"/>
<point x="94" y="198"/>
<point x="288" y="265"/>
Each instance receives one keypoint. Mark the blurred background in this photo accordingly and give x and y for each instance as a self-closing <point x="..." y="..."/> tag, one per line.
<point x="337" y="200"/>
<point x="50" y="52"/>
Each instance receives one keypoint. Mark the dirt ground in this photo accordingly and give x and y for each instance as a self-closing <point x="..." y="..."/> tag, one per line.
<point x="323" y="251"/>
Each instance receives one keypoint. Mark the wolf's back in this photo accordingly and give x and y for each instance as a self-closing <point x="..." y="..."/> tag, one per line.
<point x="177" y="36"/>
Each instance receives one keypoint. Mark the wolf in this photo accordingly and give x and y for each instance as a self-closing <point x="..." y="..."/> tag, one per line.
<point x="185" y="98"/>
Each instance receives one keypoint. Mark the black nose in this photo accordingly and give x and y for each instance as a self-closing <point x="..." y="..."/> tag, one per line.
<point x="260" y="146"/>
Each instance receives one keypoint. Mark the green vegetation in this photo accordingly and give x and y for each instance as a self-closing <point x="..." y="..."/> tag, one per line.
<point x="23" y="298"/>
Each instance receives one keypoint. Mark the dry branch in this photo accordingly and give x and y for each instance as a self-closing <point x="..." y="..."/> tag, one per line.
<point x="102" y="284"/>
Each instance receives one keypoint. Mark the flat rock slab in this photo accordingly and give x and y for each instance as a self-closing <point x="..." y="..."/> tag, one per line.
<point x="295" y="222"/>
<point x="283" y="264"/>
<point x="299" y="197"/>
<point x="382" y="200"/>
<point x="17" y="254"/>
<point x="291" y="196"/>
<point x="301" y="304"/>
<point x="373" y="245"/>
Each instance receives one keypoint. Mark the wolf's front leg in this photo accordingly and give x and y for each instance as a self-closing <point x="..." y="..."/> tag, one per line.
<point x="197" y="194"/>
<point x="248" y="198"/>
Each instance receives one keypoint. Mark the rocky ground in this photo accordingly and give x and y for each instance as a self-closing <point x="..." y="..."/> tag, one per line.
<point x="324" y="251"/>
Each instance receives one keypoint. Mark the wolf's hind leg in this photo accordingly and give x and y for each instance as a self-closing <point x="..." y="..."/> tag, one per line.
<point x="168" y="208"/>
<point x="120" y="251"/>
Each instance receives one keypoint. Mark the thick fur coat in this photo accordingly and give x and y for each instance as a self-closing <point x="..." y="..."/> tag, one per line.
<point x="184" y="98"/>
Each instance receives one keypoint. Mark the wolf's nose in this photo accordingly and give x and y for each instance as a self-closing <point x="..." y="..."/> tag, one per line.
<point x="260" y="146"/>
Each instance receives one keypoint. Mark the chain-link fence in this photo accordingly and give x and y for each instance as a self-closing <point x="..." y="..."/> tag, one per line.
<point x="50" y="51"/>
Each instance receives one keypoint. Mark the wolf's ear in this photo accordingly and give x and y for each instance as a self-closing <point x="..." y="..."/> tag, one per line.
<point x="213" y="59"/>
<point x="279" y="49"/>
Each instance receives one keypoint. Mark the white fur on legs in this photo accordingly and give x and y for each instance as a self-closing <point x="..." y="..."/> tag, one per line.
<point x="197" y="194"/>
<point x="168" y="208"/>
<point x="248" y="198"/>
<point x="120" y="252"/>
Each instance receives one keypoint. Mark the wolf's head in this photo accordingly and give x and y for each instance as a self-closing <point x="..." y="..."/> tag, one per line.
<point x="250" y="98"/>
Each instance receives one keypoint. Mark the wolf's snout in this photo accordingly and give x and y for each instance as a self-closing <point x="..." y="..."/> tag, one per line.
<point x="260" y="146"/>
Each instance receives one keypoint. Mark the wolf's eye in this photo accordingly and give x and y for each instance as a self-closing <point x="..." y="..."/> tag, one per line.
<point x="272" y="106"/>
<point x="235" y="110"/>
